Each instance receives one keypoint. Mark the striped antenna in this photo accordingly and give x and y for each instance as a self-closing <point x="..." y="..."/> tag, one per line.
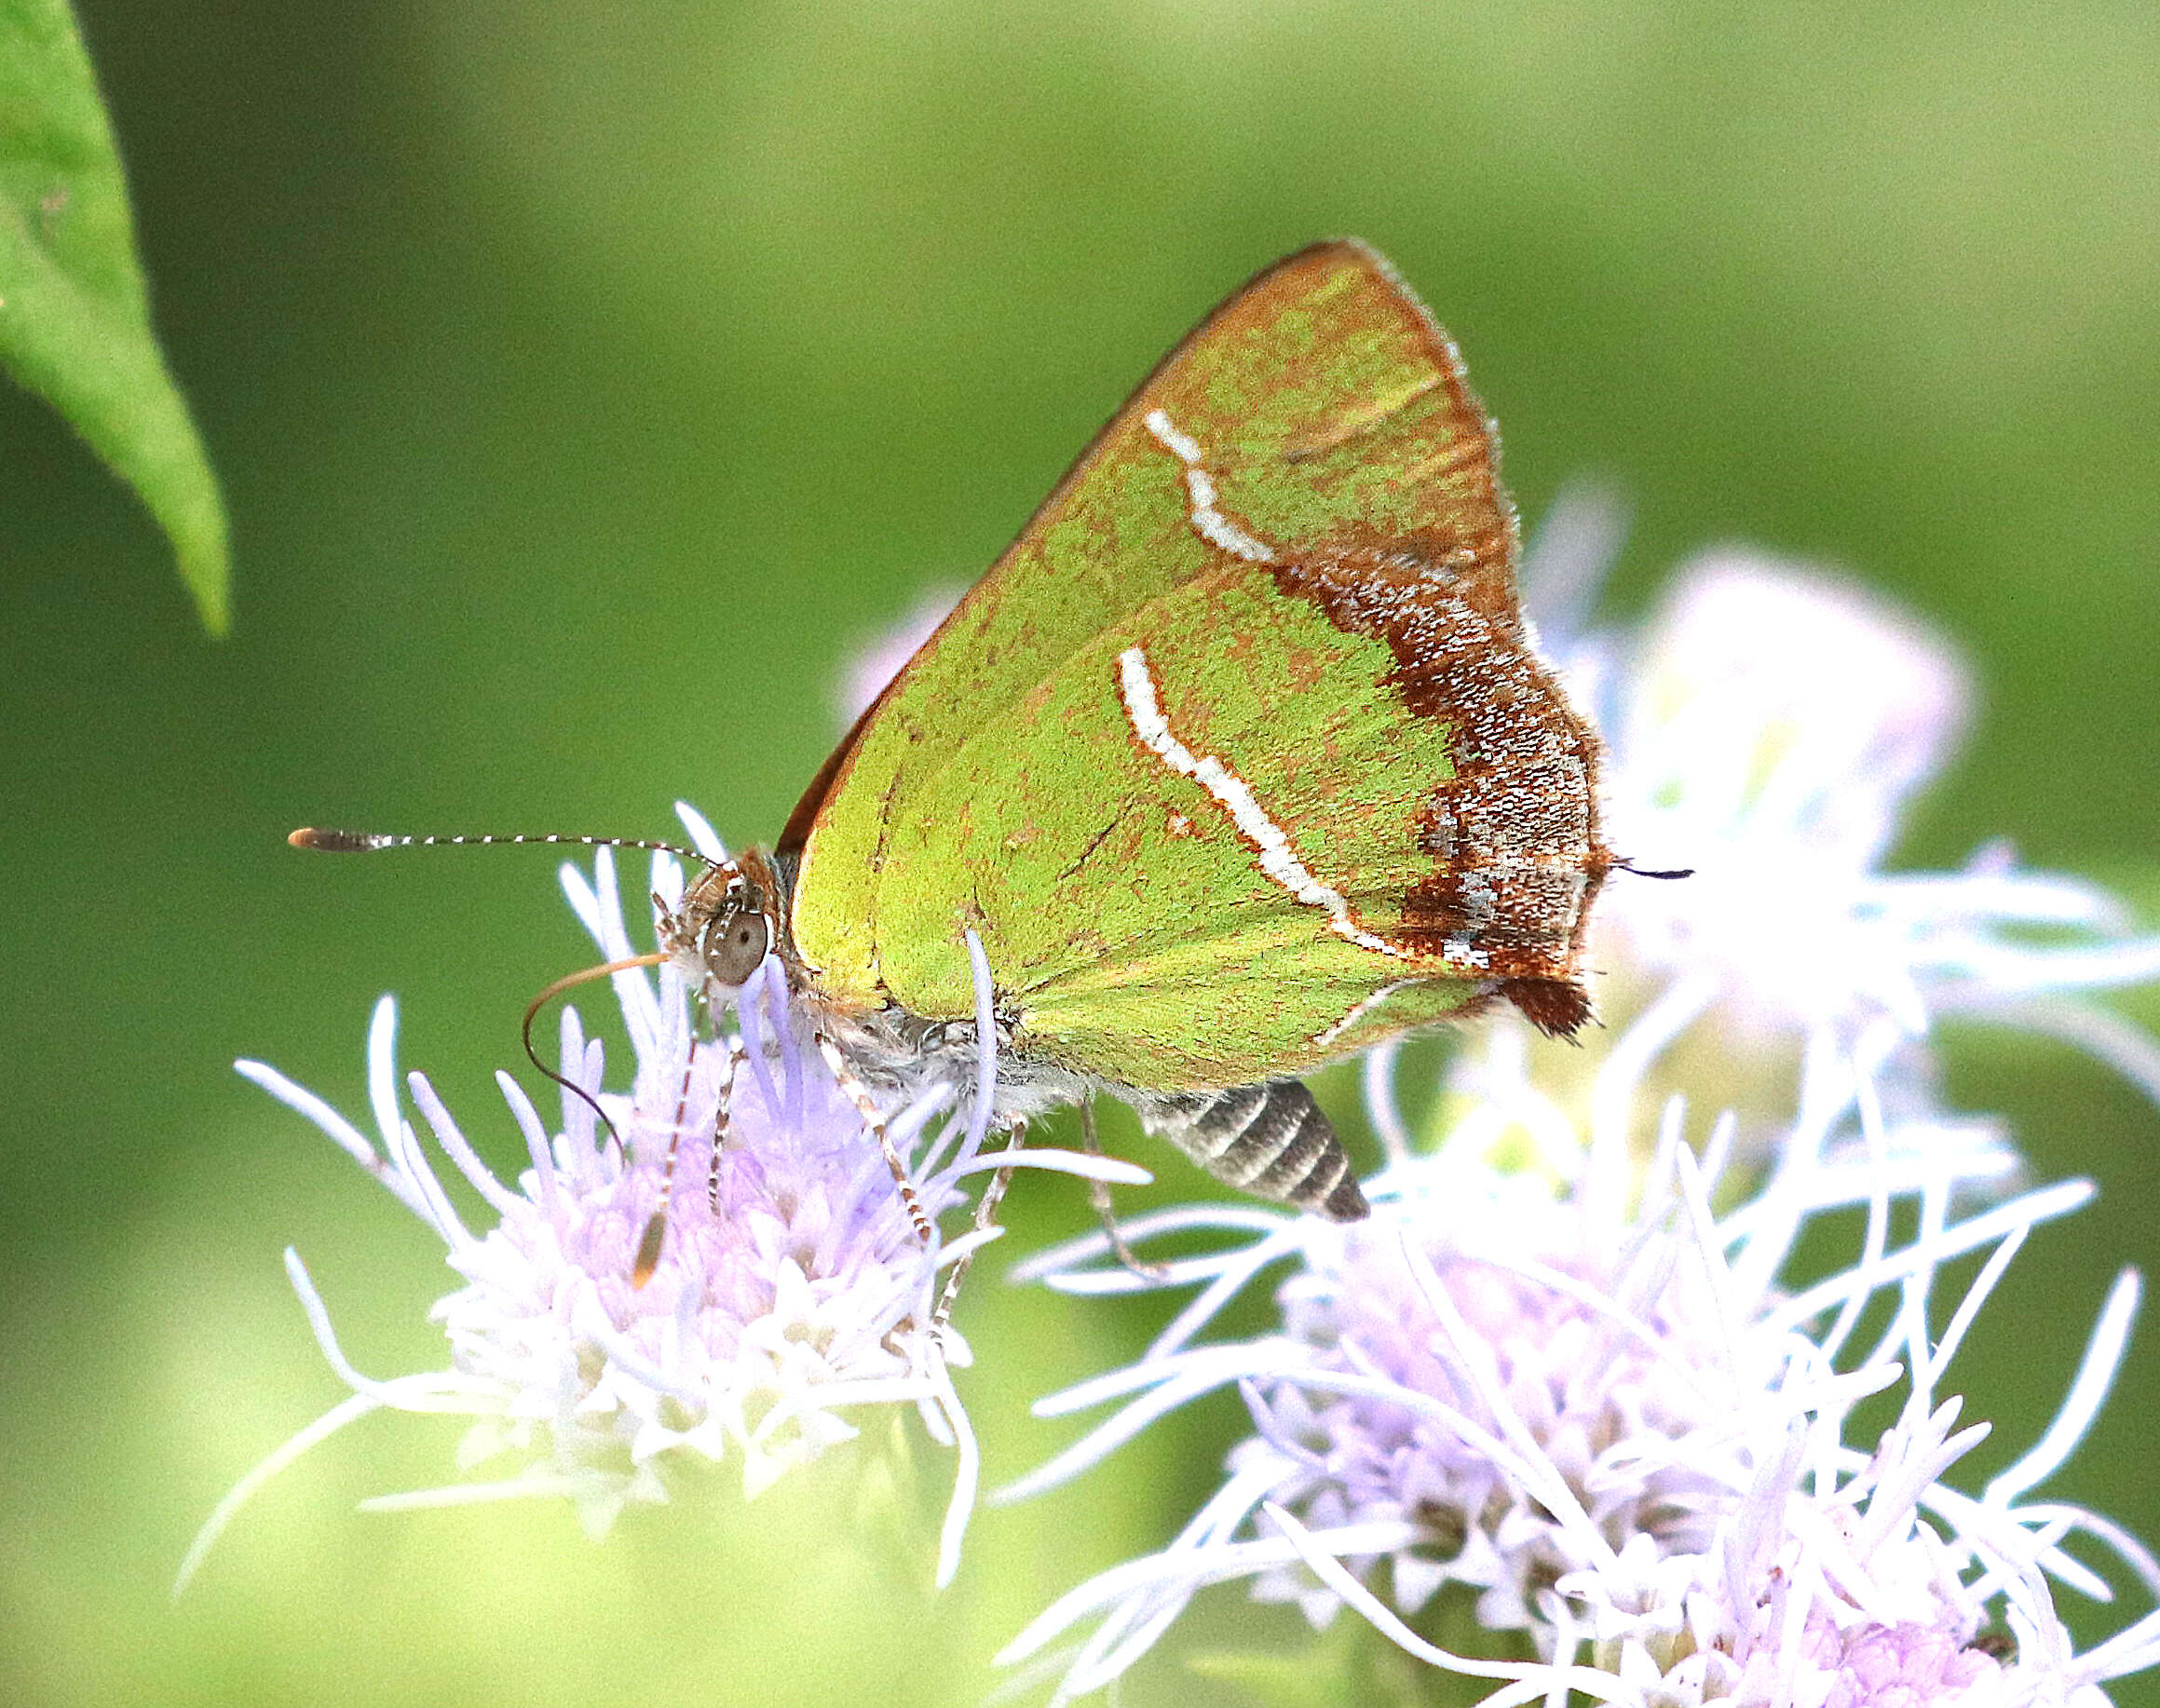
<point x="368" y="842"/>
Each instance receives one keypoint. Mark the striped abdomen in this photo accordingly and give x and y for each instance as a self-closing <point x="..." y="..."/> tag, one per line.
<point x="1270" y="1140"/>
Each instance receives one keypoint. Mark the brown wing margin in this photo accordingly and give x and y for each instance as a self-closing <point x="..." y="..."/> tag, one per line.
<point x="788" y="850"/>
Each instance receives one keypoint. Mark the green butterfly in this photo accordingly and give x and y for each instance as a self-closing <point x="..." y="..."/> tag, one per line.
<point x="1238" y="762"/>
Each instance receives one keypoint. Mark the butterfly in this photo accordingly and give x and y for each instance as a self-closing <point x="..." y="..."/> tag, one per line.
<point x="1238" y="762"/>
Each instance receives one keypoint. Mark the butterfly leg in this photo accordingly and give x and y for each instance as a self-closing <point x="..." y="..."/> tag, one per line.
<point x="721" y="1113"/>
<point x="656" y="1227"/>
<point x="859" y="1094"/>
<point x="1099" y="1191"/>
<point x="985" y="1217"/>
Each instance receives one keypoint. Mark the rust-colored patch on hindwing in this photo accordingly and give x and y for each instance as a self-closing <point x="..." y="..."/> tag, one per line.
<point x="1512" y="836"/>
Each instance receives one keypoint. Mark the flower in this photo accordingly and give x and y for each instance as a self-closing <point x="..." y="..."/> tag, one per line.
<point x="1769" y="727"/>
<point x="1616" y="1432"/>
<point x="881" y="659"/>
<point x="1571" y="1380"/>
<point x="1766" y="728"/>
<point x="1845" y="1579"/>
<point x="790" y="1292"/>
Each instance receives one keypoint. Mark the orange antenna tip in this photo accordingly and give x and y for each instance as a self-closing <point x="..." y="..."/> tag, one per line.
<point x="336" y="842"/>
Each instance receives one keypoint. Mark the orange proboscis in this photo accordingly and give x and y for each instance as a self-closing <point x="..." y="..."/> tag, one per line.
<point x="567" y="982"/>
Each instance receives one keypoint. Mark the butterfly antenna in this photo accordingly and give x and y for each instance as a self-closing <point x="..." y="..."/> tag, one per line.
<point x="319" y="840"/>
<point x="322" y="841"/>
<point x="556" y="989"/>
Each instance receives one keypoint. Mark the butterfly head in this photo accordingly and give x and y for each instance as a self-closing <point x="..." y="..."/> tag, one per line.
<point x="729" y="919"/>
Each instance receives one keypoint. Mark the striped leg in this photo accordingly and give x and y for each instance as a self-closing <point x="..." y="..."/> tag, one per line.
<point x="1099" y="1191"/>
<point x="1270" y="1140"/>
<point x="721" y="1111"/>
<point x="985" y="1214"/>
<point x="859" y="1094"/>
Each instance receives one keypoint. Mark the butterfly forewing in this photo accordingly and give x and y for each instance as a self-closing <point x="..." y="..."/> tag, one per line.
<point x="1236" y="759"/>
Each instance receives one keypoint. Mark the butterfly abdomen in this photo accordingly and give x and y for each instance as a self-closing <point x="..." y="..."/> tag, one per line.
<point x="1270" y="1140"/>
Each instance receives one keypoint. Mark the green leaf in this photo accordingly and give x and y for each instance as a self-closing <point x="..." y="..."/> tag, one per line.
<point x="74" y="316"/>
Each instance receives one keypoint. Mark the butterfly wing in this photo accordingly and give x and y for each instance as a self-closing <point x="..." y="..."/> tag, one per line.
<point x="1218" y="715"/>
<point x="1217" y="843"/>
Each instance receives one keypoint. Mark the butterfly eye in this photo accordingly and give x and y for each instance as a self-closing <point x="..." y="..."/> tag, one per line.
<point x="734" y="943"/>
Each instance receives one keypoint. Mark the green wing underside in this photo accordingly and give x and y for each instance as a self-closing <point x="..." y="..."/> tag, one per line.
<point x="1134" y="921"/>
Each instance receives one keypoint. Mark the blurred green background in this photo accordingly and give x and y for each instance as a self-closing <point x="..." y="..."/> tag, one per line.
<point x="587" y="378"/>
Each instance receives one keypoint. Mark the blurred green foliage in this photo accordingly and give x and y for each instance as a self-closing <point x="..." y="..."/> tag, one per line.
<point x="589" y="377"/>
<point x="75" y="322"/>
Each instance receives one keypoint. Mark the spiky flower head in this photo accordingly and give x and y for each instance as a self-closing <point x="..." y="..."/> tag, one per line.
<point x="1615" y="1432"/>
<point x="1768" y="728"/>
<point x="1568" y="1381"/>
<point x="791" y="1290"/>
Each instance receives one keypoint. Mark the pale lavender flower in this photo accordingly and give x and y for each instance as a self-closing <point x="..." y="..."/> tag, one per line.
<point x="1768" y="726"/>
<point x="775" y="1314"/>
<point x="1772" y="724"/>
<point x="1613" y="1428"/>
<point x="1861" y="1580"/>
<point x="878" y="661"/>
<point x="1549" y="1374"/>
